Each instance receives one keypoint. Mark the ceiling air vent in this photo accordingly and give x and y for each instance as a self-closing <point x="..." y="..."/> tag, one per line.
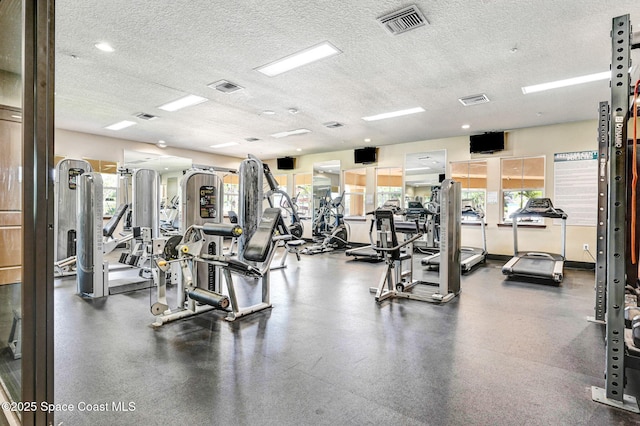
<point x="403" y="20"/>
<point x="251" y="139"/>
<point x="474" y="100"/>
<point x="225" y="86"/>
<point x="332" y="124"/>
<point x="145" y="116"/>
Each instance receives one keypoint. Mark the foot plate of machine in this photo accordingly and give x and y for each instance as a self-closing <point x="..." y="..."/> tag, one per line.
<point x="628" y="403"/>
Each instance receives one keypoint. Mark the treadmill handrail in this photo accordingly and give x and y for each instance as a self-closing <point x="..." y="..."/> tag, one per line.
<point x="551" y="213"/>
<point x="539" y="254"/>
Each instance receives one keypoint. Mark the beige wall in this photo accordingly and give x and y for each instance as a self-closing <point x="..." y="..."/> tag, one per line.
<point x="544" y="140"/>
<point x="77" y="145"/>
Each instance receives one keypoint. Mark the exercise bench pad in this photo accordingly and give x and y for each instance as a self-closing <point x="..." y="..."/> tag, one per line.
<point x="258" y="246"/>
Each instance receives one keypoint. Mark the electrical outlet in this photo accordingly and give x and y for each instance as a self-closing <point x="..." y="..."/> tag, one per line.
<point x="585" y="247"/>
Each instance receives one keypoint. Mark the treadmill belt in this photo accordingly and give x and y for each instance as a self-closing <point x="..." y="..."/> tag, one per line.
<point x="463" y="257"/>
<point x="534" y="267"/>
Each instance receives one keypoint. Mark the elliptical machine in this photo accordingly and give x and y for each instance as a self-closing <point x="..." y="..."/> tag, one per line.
<point x="329" y="228"/>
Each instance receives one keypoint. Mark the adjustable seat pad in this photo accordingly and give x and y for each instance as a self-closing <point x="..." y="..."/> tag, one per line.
<point x="258" y="246"/>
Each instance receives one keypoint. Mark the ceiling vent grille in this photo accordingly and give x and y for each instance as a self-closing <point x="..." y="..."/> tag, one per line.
<point x="251" y="139"/>
<point x="145" y="116"/>
<point x="225" y="86"/>
<point x="474" y="100"/>
<point x="332" y="124"/>
<point x="403" y="20"/>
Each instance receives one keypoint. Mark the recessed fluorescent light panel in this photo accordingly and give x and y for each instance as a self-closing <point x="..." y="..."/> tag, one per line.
<point x="105" y="47"/>
<point x="393" y="114"/>
<point x="567" y="82"/>
<point x="290" y="133"/>
<point x="224" y="145"/>
<point x="307" y="56"/>
<point x="415" y="169"/>
<point x="184" y="102"/>
<point x="121" y="125"/>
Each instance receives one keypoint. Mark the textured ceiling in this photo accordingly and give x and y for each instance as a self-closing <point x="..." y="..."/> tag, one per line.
<point x="167" y="49"/>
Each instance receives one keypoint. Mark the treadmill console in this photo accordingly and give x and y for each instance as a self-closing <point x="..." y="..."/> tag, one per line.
<point x="538" y="205"/>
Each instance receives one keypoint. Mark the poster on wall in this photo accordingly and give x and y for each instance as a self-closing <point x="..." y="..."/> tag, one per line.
<point x="576" y="186"/>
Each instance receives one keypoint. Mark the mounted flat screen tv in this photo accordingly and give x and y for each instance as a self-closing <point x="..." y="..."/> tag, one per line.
<point x="365" y="155"/>
<point x="286" y="163"/>
<point x="487" y="143"/>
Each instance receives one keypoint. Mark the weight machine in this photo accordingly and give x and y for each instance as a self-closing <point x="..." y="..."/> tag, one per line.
<point x="196" y="249"/>
<point x="397" y="280"/>
<point x="68" y="172"/>
<point x="615" y="265"/>
<point x="95" y="240"/>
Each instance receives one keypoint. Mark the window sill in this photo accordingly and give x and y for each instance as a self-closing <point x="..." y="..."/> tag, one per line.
<point x="522" y="225"/>
<point x="355" y="219"/>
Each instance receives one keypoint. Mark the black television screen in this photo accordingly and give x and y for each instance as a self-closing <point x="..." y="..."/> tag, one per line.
<point x="489" y="142"/>
<point x="286" y="163"/>
<point x="365" y="155"/>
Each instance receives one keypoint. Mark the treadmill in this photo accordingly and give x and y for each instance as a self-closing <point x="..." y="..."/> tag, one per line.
<point x="367" y="252"/>
<point x="469" y="256"/>
<point x="537" y="264"/>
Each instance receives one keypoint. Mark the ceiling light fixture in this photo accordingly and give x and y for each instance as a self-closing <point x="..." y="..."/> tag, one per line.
<point x="268" y="112"/>
<point x="417" y="168"/>
<point x="465" y="126"/>
<point x="290" y="133"/>
<point x="121" y="125"/>
<point x="304" y="57"/>
<point x="367" y="140"/>
<point x="161" y="144"/>
<point x="224" y="145"/>
<point x="298" y="149"/>
<point x="393" y="114"/>
<point x="105" y="47"/>
<point x="183" y="102"/>
<point x="567" y="82"/>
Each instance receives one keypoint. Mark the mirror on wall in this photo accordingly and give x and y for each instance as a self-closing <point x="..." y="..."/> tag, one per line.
<point x="422" y="171"/>
<point x="326" y="182"/>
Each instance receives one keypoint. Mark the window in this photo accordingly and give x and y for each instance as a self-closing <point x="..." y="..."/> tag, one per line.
<point x="231" y="189"/>
<point x="109" y="193"/>
<point x="355" y="192"/>
<point x="302" y="192"/>
<point x="522" y="179"/>
<point x="389" y="186"/>
<point x="472" y="176"/>
<point x="108" y="170"/>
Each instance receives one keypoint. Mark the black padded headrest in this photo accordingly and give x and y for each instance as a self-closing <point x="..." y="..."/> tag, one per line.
<point x="258" y="246"/>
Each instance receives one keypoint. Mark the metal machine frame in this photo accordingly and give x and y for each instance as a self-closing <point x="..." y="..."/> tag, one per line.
<point x="601" y="228"/>
<point x="618" y="356"/>
<point x="92" y="275"/>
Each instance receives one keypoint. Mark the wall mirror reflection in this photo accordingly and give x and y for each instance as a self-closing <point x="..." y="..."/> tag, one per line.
<point x="422" y="171"/>
<point x="355" y="191"/>
<point x="326" y="183"/>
